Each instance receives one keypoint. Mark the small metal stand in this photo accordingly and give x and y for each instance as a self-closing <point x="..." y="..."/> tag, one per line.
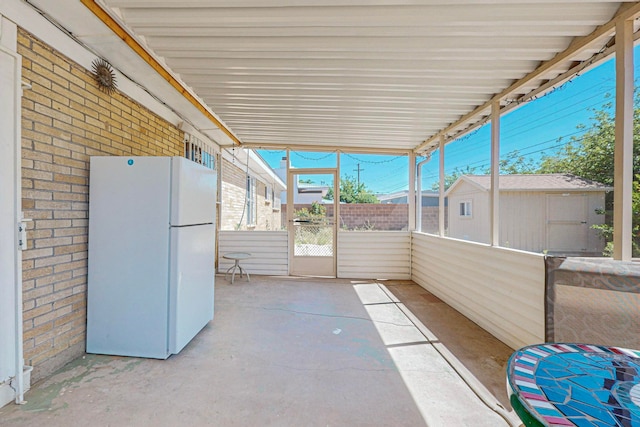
<point x="236" y="257"/>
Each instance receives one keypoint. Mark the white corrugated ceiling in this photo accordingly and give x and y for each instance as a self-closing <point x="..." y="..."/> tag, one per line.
<point x="356" y="73"/>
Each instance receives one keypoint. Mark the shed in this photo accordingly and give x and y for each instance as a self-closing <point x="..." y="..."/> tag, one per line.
<point x="551" y="213"/>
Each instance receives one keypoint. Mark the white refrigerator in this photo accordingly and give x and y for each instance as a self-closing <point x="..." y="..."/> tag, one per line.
<point x="151" y="254"/>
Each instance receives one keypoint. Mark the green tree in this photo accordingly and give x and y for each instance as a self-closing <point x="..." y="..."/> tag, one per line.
<point x="316" y="211"/>
<point x="591" y="156"/>
<point x="515" y="163"/>
<point x="352" y="192"/>
<point x="449" y="179"/>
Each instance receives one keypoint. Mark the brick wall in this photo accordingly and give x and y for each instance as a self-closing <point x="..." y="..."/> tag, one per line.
<point x="234" y="187"/>
<point x="65" y="120"/>
<point x="430" y="215"/>
<point x="367" y="216"/>
<point x="374" y="216"/>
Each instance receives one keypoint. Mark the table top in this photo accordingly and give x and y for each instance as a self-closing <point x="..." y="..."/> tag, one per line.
<point x="236" y="255"/>
<point x="577" y="384"/>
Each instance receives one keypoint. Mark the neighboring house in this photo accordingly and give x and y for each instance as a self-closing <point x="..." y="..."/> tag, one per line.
<point x="250" y="196"/>
<point x="551" y="213"/>
<point x="303" y="193"/>
<point x="429" y="198"/>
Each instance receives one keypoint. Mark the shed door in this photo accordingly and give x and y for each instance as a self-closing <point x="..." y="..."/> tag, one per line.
<point x="567" y="225"/>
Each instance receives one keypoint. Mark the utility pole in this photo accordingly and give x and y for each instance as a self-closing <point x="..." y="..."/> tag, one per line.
<point x="358" y="170"/>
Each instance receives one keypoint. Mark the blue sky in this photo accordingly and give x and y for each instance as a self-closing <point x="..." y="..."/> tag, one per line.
<point x="533" y="129"/>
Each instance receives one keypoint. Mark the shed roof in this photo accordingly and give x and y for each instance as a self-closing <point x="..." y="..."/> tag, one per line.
<point x="535" y="182"/>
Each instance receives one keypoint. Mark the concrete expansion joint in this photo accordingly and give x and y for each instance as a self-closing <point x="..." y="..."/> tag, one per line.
<point x="308" y="313"/>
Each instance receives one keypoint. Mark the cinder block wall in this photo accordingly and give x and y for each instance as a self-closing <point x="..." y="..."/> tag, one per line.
<point x="65" y="120"/>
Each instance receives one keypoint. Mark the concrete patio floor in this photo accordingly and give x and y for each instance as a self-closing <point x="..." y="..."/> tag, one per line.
<point x="285" y="351"/>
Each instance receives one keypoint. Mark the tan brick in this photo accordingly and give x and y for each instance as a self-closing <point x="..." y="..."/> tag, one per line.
<point x="71" y="179"/>
<point x="70" y="249"/>
<point x="37" y="174"/>
<point x="53" y="131"/>
<point x="74" y="197"/>
<point x="29" y="117"/>
<point x="45" y="338"/>
<point x="48" y="204"/>
<point x="73" y="215"/>
<point x="42" y="329"/>
<point x="71" y="231"/>
<point x="80" y="289"/>
<point x="50" y="148"/>
<point x="65" y="160"/>
<point x="37" y="156"/>
<point x="70" y="266"/>
<point x="50" y="316"/>
<point x="70" y="284"/>
<point x="49" y="167"/>
<point x="56" y="241"/>
<point x="39" y="290"/>
<point x="79" y="255"/>
<point x="53" y="186"/>
<point x="38" y="311"/>
<point x="80" y="188"/>
<point x="55" y="223"/>
<point x="80" y="239"/>
<point x="37" y="253"/>
<point x="28" y="347"/>
<point x="54" y="297"/>
<point x="31" y="136"/>
<point x="68" y="300"/>
<point x="67" y="74"/>
<point x="37" y="272"/>
<point x="81" y="156"/>
<point x="72" y="147"/>
<point x="54" y="260"/>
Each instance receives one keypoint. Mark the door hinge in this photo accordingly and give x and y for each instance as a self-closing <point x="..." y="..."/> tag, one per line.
<point x="22" y="234"/>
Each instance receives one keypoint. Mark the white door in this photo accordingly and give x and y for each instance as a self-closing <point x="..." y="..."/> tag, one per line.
<point x="10" y="257"/>
<point x="312" y="224"/>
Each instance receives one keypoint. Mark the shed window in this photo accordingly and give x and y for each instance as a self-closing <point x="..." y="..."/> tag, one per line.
<point x="465" y="208"/>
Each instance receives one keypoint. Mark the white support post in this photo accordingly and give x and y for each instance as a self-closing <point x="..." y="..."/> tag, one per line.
<point x="441" y="211"/>
<point x="412" y="192"/>
<point x="623" y="158"/>
<point x="495" y="174"/>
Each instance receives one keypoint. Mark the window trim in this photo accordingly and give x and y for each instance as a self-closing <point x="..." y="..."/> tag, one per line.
<point x="465" y="209"/>
<point x="252" y="207"/>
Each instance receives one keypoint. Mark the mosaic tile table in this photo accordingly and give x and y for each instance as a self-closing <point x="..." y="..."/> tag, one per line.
<point x="575" y="385"/>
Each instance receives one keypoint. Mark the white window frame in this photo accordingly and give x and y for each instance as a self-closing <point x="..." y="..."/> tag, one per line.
<point x="251" y="201"/>
<point x="199" y="151"/>
<point x="465" y="209"/>
<point x="268" y="194"/>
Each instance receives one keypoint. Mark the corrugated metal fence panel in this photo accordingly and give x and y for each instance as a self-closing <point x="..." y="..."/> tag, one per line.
<point x="500" y="289"/>
<point x="269" y="251"/>
<point x="374" y="255"/>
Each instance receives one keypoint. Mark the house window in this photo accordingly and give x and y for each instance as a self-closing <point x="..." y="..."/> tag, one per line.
<point x="251" y="200"/>
<point x="199" y="151"/>
<point x="465" y="208"/>
<point x="268" y="194"/>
